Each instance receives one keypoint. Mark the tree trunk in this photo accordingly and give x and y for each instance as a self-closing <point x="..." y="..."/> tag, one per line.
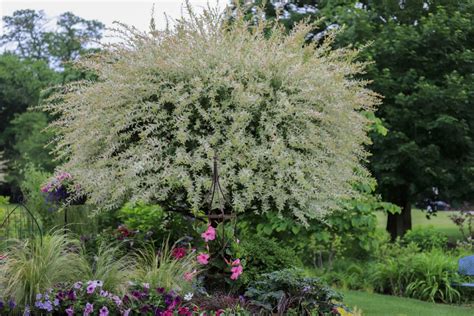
<point x="399" y="224"/>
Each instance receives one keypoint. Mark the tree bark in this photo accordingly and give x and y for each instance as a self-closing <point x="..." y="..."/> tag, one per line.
<point x="399" y="224"/>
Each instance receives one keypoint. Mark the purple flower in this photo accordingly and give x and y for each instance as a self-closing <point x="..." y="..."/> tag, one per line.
<point x="145" y="309"/>
<point x="104" y="293"/>
<point x="137" y="294"/>
<point x="77" y="285"/>
<point x="27" y="311"/>
<point x="46" y="306"/>
<point x="56" y="302"/>
<point x="60" y="296"/>
<point x="90" y="288"/>
<point x="117" y="300"/>
<point x="125" y="313"/>
<point x="39" y="296"/>
<point x="11" y="304"/>
<point x="71" y="295"/>
<point x="70" y="311"/>
<point x="104" y="311"/>
<point x="89" y="309"/>
<point x="160" y="290"/>
<point x="2" y="305"/>
<point x="168" y="299"/>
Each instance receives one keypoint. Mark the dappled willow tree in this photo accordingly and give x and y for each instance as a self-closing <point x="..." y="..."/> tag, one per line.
<point x="284" y="119"/>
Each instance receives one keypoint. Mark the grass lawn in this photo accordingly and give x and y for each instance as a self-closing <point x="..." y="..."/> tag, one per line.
<point x="385" y="305"/>
<point x="441" y="222"/>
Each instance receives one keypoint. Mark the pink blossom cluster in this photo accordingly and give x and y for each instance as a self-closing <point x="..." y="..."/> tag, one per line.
<point x="55" y="183"/>
<point x="203" y="258"/>
<point x="236" y="269"/>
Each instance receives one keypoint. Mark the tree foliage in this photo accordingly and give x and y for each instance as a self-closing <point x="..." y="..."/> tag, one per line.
<point x="285" y="119"/>
<point x="28" y="36"/>
<point x="422" y="53"/>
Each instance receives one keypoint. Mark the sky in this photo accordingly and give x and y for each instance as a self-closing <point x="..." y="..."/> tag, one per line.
<point x="131" y="12"/>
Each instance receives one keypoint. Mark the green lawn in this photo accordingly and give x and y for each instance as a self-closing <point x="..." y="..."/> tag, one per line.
<point x="441" y="222"/>
<point x="385" y="305"/>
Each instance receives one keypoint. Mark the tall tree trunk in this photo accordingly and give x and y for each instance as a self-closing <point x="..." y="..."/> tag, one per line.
<point x="399" y="224"/>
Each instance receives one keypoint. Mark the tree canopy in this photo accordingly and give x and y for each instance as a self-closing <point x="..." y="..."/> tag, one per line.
<point x="422" y="55"/>
<point x="283" y="117"/>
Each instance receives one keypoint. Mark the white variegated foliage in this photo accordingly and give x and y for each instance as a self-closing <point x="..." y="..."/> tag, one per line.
<point x="284" y="118"/>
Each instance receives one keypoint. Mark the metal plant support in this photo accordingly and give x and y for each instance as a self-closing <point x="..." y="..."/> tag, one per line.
<point x="216" y="191"/>
<point x="20" y="223"/>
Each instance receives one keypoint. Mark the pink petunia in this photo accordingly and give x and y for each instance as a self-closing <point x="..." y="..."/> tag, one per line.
<point x="236" y="262"/>
<point x="203" y="258"/>
<point x="209" y="234"/>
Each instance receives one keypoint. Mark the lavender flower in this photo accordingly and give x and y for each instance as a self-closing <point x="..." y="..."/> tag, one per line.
<point x="104" y="311"/>
<point x="89" y="309"/>
<point x="90" y="288"/>
<point x="69" y="311"/>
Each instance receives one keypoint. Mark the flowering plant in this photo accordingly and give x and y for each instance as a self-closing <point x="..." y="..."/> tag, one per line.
<point x="60" y="188"/>
<point x="89" y="298"/>
<point x="218" y="252"/>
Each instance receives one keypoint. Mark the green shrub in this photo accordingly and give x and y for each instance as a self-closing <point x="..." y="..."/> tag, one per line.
<point x="426" y="238"/>
<point x="263" y="255"/>
<point x="153" y="219"/>
<point x="290" y="292"/>
<point x="33" y="179"/>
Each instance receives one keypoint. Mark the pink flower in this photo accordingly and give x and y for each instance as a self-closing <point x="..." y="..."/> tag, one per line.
<point x="178" y="253"/>
<point x="236" y="272"/>
<point x="203" y="258"/>
<point x="209" y="234"/>
<point x="188" y="276"/>
<point x="236" y="262"/>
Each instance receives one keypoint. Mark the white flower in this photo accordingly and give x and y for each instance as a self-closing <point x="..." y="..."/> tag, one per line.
<point x="188" y="297"/>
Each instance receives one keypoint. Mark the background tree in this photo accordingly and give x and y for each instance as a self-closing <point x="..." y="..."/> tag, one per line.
<point x="422" y="54"/>
<point x="164" y="105"/>
<point x="34" y="51"/>
<point x="24" y="34"/>
<point x="73" y="37"/>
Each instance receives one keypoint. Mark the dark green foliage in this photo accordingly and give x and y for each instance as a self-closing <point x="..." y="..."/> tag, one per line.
<point x="289" y="292"/>
<point x="29" y="141"/>
<point x="404" y="271"/>
<point x="263" y="255"/>
<point x="426" y="238"/>
<point x="25" y="31"/>
<point x="351" y="232"/>
<point x="154" y="221"/>
<point x="422" y="54"/>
